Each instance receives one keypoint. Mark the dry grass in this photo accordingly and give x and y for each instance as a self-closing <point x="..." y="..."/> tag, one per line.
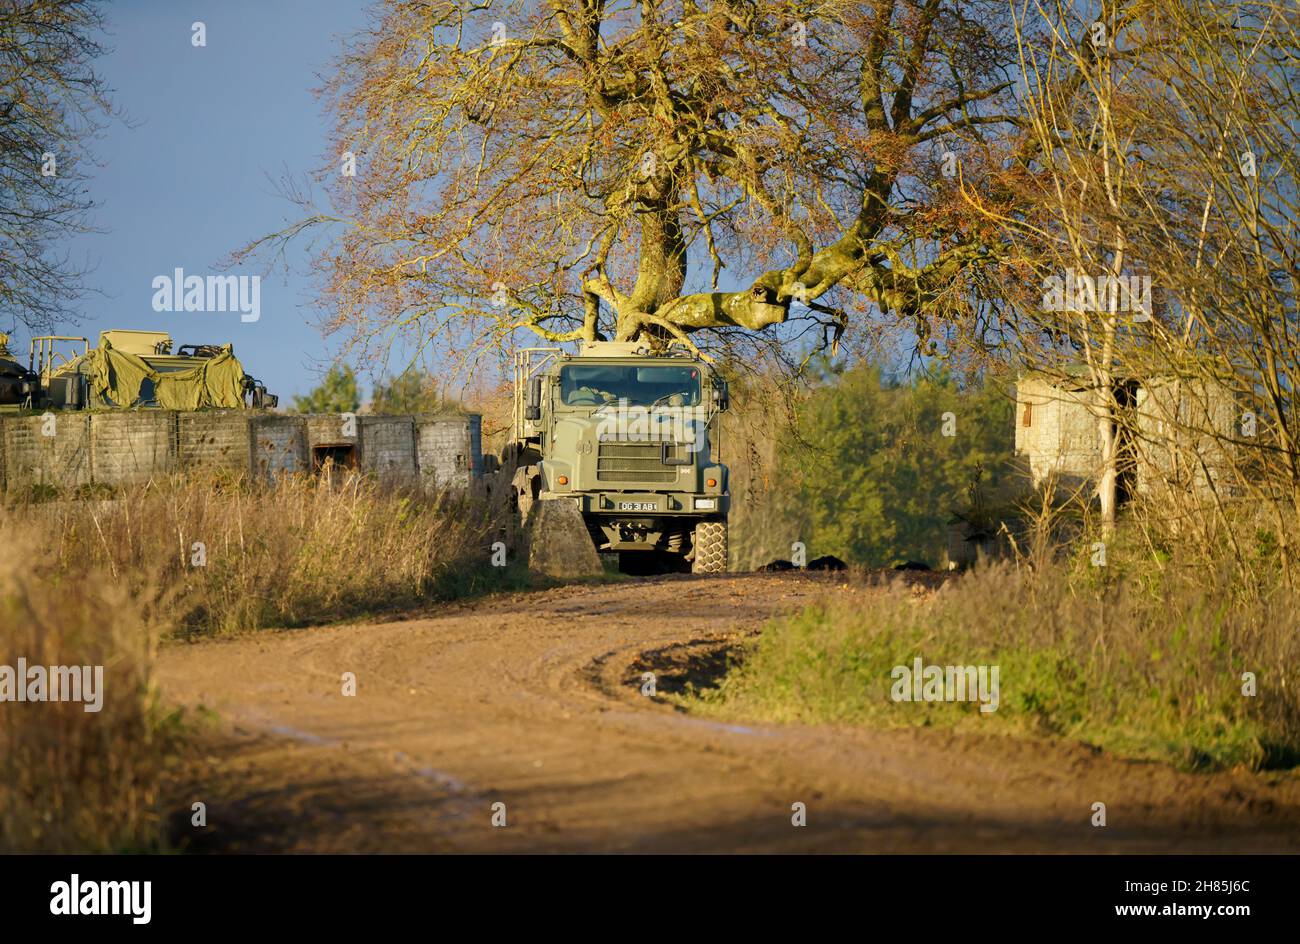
<point x="100" y="581"/>
<point x="235" y="558"/>
<point x="72" y="780"/>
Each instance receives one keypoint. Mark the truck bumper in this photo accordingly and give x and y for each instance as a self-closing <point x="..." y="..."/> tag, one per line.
<point x="646" y="504"/>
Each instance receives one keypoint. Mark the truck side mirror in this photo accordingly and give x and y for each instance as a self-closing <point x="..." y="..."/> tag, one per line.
<point x="533" y="408"/>
<point x="721" y="396"/>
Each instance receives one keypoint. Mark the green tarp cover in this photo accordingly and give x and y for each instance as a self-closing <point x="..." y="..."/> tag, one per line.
<point x="216" y="382"/>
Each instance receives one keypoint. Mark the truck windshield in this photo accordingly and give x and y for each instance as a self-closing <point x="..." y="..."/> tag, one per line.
<point x="598" y="384"/>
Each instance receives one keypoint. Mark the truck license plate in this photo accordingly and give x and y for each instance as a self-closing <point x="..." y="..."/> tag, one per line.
<point x="637" y="506"/>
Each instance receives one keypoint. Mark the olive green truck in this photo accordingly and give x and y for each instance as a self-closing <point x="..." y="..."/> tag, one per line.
<point x="633" y="439"/>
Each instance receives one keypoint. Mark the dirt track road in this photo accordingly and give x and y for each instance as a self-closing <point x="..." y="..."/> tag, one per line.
<point x="533" y="701"/>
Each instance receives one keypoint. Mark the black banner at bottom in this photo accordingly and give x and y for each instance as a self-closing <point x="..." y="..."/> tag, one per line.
<point x="129" y="894"/>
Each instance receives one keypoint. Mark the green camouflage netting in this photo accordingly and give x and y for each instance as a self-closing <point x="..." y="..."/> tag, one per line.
<point x="117" y="377"/>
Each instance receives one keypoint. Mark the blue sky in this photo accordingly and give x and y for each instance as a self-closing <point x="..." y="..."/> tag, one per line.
<point x="188" y="182"/>
<point x="190" y="175"/>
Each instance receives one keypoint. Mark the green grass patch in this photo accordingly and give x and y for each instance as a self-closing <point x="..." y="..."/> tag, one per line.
<point x="1153" y="671"/>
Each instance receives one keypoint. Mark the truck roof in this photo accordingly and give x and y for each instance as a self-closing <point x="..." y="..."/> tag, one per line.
<point x="625" y="349"/>
<point x="140" y="343"/>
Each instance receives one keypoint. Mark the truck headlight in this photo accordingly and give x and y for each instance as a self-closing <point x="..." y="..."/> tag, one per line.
<point x="706" y="504"/>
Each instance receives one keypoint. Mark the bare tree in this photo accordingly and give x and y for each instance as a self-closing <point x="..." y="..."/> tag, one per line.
<point x="51" y="104"/>
<point x="1069" y="221"/>
<point x="1219" y="220"/>
<point x="1171" y="157"/>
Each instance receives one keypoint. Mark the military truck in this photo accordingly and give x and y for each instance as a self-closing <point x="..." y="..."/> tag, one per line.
<point x="18" y="384"/>
<point x="633" y="438"/>
<point x="129" y="369"/>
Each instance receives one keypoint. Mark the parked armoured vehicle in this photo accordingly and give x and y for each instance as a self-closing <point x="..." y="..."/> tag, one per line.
<point x="127" y="369"/>
<point x="17" y="383"/>
<point x="633" y="439"/>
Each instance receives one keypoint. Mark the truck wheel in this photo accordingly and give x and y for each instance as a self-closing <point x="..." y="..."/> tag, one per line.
<point x="710" y="547"/>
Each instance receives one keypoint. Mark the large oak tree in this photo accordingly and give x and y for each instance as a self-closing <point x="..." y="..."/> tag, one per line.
<point x="648" y="169"/>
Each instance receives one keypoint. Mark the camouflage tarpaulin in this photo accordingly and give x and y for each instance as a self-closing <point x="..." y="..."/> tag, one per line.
<point x="217" y="382"/>
<point x="117" y="376"/>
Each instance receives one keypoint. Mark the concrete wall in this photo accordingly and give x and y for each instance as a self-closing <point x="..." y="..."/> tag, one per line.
<point x="52" y="451"/>
<point x="1167" y="438"/>
<point x="388" y="446"/>
<point x="278" y="446"/>
<point x="1180" y="424"/>
<point x="213" y="442"/>
<point x="132" y="446"/>
<point x="129" y="447"/>
<point x="449" y="450"/>
<point x="1056" y="432"/>
<point x="332" y="429"/>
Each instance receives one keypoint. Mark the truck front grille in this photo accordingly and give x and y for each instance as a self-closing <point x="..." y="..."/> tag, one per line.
<point x="636" y="462"/>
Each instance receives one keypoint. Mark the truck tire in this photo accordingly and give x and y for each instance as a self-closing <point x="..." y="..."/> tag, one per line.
<point x="710" y="548"/>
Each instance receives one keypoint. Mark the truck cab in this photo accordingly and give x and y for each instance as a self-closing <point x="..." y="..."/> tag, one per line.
<point x="633" y="438"/>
